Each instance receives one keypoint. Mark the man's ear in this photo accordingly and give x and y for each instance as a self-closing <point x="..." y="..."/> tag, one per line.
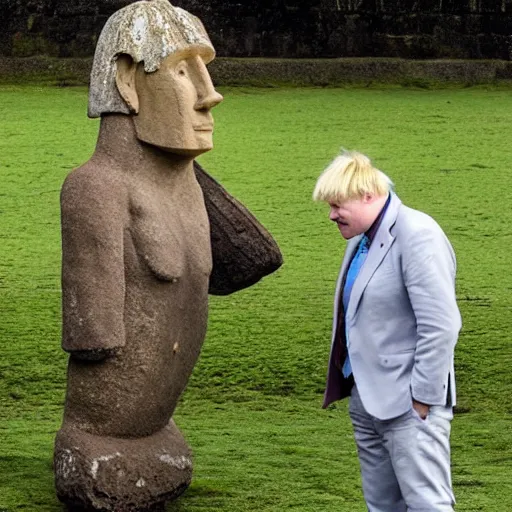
<point x="368" y="198"/>
<point x="125" y="81"/>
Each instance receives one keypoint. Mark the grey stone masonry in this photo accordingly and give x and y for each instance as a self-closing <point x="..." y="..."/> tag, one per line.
<point x="279" y="28"/>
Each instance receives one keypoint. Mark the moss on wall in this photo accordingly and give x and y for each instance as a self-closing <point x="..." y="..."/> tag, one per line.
<point x="289" y="72"/>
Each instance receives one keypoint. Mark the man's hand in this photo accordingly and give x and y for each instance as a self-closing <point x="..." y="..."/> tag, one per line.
<point x="421" y="408"/>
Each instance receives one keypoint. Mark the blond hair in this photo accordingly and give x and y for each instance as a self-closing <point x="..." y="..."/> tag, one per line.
<point x="350" y="175"/>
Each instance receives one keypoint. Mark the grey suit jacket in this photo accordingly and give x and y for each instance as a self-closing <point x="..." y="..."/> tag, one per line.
<point x="402" y="319"/>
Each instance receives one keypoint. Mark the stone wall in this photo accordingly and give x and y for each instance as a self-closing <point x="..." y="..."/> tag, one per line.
<point x="282" y="28"/>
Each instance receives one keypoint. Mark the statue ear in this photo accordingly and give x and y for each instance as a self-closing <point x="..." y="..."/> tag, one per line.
<point x="125" y="81"/>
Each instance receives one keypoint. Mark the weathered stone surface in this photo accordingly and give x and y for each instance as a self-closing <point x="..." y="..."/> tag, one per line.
<point x="137" y="255"/>
<point x="243" y="250"/>
<point x="125" y="475"/>
<point x="141" y="30"/>
<point x="135" y="291"/>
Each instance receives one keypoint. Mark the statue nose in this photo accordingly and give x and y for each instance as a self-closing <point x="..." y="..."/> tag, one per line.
<point x="209" y="100"/>
<point x="207" y="96"/>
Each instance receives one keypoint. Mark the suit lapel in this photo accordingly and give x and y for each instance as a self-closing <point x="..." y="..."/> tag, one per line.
<point x="379" y="248"/>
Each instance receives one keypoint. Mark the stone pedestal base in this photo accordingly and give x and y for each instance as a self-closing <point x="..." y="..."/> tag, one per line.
<point x="94" y="473"/>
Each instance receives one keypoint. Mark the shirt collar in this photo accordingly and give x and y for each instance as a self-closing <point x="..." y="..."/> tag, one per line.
<point x="372" y="231"/>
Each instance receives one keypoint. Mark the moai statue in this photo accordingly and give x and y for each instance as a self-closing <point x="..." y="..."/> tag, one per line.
<point x="146" y="235"/>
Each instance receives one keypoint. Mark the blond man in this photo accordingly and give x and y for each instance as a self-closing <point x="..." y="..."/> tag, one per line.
<point x="395" y="327"/>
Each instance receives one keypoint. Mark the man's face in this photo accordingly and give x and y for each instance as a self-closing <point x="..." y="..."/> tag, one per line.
<point x="353" y="216"/>
<point x="175" y="103"/>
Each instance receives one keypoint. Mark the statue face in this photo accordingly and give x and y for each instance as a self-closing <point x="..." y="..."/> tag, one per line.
<point x="175" y="103"/>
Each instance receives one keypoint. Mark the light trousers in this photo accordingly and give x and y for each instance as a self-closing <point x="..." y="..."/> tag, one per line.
<point x="405" y="461"/>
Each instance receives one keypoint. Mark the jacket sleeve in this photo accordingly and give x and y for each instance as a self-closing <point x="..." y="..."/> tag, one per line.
<point x="429" y="274"/>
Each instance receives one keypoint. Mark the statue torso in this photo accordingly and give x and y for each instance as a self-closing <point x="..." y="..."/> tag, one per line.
<point x="167" y="263"/>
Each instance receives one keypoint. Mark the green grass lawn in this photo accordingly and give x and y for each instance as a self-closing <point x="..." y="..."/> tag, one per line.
<point x="252" y="410"/>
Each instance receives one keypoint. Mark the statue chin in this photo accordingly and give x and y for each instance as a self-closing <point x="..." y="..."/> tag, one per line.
<point x="191" y="152"/>
<point x="198" y="143"/>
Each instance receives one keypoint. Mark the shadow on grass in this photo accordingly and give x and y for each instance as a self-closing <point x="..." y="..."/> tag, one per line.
<point x="26" y="483"/>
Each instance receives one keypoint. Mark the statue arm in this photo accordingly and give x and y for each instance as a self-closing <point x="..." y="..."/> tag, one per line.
<point x="243" y="251"/>
<point x="92" y="266"/>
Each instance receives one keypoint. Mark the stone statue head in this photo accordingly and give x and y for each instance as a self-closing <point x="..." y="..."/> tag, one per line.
<point x="151" y="61"/>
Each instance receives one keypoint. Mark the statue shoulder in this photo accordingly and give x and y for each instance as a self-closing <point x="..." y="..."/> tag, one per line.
<point x="94" y="187"/>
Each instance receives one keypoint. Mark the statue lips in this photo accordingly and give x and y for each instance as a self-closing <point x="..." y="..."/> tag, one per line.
<point x="203" y="122"/>
<point x="204" y="127"/>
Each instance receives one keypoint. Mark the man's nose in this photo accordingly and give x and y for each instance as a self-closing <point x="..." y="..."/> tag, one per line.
<point x="333" y="214"/>
<point x="207" y="96"/>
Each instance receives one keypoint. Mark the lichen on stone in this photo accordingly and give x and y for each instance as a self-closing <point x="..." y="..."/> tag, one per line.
<point x="147" y="31"/>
